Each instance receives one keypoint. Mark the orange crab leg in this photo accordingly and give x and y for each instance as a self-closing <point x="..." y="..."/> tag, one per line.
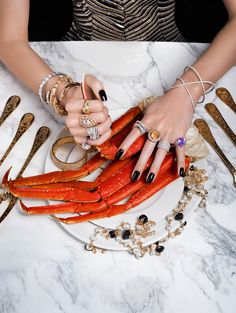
<point x="138" y="197"/>
<point x="121" y="194"/>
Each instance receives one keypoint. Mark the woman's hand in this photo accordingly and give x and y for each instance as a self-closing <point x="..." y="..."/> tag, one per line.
<point x="73" y="104"/>
<point x="171" y="116"/>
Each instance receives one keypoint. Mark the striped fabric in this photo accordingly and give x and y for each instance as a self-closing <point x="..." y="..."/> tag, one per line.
<point x="147" y="20"/>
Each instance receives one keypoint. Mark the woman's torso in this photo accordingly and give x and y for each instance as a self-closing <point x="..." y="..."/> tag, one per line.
<point x="147" y="20"/>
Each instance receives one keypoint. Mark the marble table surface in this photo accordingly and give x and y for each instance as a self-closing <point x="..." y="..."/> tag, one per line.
<point x="44" y="269"/>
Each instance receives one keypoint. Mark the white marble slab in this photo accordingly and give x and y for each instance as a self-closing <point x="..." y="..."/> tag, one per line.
<point x="43" y="269"/>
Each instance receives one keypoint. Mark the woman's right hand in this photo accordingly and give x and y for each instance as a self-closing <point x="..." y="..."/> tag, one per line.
<point x="73" y="103"/>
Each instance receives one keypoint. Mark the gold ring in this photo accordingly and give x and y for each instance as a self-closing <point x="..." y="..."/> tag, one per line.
<point x="87" y="121"/>
<point x="66" y="165"/>
<point x="154" y="135"/>
<point x="85" y="108"/>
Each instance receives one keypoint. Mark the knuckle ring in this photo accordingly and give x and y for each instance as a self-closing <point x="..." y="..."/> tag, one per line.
<point x="153" y="135"/>
<point x="85" y="146"/>
<point x="180" y="142"/>
<point x="164" y="145"/>
<point x="93" y="133"/>
<point x="87" y="121"/>
<point x="86" y="109"/>
<point x="140" y="126"/>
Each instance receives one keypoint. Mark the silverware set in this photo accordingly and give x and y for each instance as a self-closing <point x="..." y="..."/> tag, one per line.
<point x="205" y="131"/>
<point x="24" y="124"/>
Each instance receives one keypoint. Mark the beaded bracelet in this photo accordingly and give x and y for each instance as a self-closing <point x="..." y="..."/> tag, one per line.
<point x="44" y="82"/>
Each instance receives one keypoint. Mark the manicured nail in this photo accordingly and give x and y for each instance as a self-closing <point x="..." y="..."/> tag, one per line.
<point x="181" y="172"/>
<point x="135" y="176"/>
<point x="103" y="95"/>
<point x="119" y="154"/>
<point x="150" y="178"/>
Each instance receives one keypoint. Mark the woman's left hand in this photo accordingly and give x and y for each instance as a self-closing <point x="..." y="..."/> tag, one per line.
<point x="171" y="115"/>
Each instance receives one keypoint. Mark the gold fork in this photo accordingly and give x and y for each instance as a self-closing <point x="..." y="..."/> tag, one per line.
<point x="207" y="135"/>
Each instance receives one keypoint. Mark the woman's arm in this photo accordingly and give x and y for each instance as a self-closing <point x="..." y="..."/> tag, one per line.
<point x="27" y="65"/>
<point x="172" y="113"/>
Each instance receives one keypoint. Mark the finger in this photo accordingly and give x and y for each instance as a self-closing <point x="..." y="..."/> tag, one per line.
<point x="76" y="106"/>
<point x="142" y="160"/>
<point x="101" y="140"/>
<point x="80" y="131"/>
<point x="127" y="142"/>
<point x="94" y="87"/>
<point x="180" y="160"/>
<point x="156" y="164"/>
<point x="73" y="120"/>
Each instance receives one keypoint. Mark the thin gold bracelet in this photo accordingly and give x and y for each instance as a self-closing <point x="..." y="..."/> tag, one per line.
<point x="66" y="89"/>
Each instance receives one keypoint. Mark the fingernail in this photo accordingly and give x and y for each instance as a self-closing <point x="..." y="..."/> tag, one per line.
<point x="103" y="95"/>
<point x="135" y="176"/>
<point x="181" y="172"/>
<point x="150" y="178"/>
<point x="119" y="154"/>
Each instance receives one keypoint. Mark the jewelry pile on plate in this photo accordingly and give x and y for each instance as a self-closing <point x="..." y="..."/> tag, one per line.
<point x="133" y="238"/>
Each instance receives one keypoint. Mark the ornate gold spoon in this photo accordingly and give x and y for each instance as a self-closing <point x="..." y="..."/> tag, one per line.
<point x="226" y="97"/>
<point x="25" y="122"/>
<point x="40" y="138"/>
<point x="207" y="135"/>
<point x="11" y="105"/>
<point x="212" y="109"/>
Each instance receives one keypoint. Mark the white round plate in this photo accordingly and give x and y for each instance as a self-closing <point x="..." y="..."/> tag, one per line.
<point x="155" y="208"/>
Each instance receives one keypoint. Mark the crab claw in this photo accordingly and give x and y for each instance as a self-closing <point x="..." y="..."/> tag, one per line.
<point x="5" y="180"/>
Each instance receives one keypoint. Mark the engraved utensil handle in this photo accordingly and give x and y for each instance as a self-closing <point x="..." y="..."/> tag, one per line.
<point x="226" y="97"/>
<point x="212" y="109"/>
<point x="11" y="105"/>
<point x="40" y="137"/>
<point x="25" y="122"/>
<point x="10" y="206"/>
<point x="207" y="135"/>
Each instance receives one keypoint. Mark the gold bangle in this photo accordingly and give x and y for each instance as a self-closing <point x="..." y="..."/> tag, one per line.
<point x="65" y="165"/>
<point x="52" y="97"/>
<point x="65" y="90"/>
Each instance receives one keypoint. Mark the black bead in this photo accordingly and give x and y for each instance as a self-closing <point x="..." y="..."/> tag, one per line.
<point x="159" y="249"/>
<point x="126" y="234"/>
<point x="143" y="218"/>
<point x="112" y="233"/>
<point x="185" y="223"/>
<point x="192" y="168"/>
<point x="179" y="216"/>
<point x="186" y="189"/>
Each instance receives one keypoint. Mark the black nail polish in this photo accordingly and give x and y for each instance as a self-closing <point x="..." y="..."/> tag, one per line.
<point x="150" y="178"/>
<point x="135" y="176"/>
<point x="119" y="154"/>
<point x="181" y="172"/>
<point x="103" y="95"/>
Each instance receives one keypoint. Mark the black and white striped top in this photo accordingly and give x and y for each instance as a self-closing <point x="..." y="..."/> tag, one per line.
<point x="146" y="20"/>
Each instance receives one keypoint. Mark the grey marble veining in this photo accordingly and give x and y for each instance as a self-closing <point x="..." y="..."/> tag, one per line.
<point x="44" y="269"/>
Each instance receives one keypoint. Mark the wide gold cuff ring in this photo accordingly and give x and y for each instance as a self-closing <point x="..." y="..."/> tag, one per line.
<point x="153" y="135"/>
<point x="65" y="165"/>
<point x="86" y="109"/>
<point x="164" y="145"/>
<point x="140" y="126"/>
<point x="87" y="121"/>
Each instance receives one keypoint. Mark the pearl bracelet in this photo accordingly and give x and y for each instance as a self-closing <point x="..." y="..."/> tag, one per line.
<point x="43" y="83"/>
